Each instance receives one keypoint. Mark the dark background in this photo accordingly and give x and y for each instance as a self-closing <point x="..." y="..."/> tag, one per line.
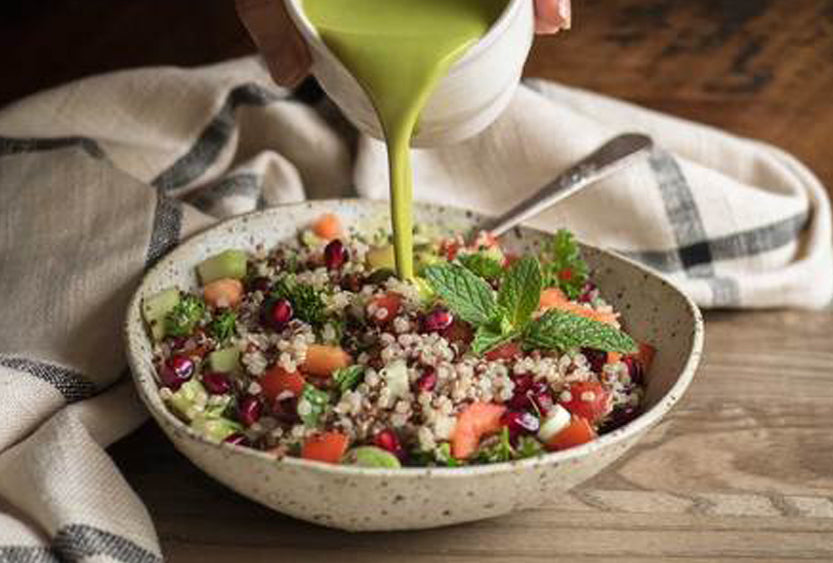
<point x="762" y="68"/>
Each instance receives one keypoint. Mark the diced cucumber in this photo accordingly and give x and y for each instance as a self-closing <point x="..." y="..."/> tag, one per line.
<point x="215" y="429"/>
<point x="227" y="264"/>
<point x="189" y="400"/>
<point x="371" y="456"/>
<point x="310" y="239"/>
<point x="381" y="257"/>
<point x="557" y="420"/>
<point x="156" y="307"/>
<point x="224" y="360"/>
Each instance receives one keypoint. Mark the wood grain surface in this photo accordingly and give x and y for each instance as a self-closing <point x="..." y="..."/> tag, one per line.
<point x="741" y="470"/>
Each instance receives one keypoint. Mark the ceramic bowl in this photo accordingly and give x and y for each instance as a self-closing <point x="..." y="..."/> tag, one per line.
<point x="477" y="88"/>
<point x="354" y="498"/>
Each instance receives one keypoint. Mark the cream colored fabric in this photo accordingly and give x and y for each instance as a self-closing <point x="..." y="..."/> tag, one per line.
<point x="101" y="177"/>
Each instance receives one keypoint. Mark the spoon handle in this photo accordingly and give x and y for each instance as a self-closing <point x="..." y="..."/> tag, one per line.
<point x="607" y="159"/>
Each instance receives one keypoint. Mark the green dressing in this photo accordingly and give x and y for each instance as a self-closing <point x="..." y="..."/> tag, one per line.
<point x="398" y="50"/>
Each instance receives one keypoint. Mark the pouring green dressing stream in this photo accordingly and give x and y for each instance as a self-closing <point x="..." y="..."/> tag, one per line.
<point x="398" y="50"/>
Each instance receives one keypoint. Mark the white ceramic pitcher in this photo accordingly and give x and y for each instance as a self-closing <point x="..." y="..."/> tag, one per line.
<point x="477" y="88"/>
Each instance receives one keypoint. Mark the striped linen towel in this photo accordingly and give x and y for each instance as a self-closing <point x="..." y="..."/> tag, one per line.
<point x="101" y="177"/>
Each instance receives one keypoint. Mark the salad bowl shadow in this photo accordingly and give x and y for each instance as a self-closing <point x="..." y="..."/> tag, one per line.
<point x="358" y="499"/>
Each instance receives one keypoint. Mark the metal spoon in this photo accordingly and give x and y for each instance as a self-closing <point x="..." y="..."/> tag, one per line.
<point x="611" y="157"/>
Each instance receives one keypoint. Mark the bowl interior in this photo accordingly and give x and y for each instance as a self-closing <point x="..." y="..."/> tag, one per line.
<point x="652" y="309"/>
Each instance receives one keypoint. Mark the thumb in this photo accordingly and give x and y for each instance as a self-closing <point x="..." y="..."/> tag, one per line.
<point x="279" y="42"/>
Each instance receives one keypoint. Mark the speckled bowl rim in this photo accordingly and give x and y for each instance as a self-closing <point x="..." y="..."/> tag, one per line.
<point x="640" y="424"/>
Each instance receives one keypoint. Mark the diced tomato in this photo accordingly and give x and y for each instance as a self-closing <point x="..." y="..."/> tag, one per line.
<point x="551" y="298"/>
<point x="565" y="275"/>
<point x="323" y="360"/>
<point x="383" y="308"/>
<point x="485" y="239"/>
<point x="226" y="292"/>
<point x="327" y="227"/>
<point x="504" y="352"/>
<point x="589" y="400"/>
<point x="475" y="422"/>
<point x="450" y="248"/>
<point x="328" y="447"/>
<point x="277" y="380"/>
<point x="554" y="298"/>
<point x="577" y="433"/>
<point x="510" y="258"/>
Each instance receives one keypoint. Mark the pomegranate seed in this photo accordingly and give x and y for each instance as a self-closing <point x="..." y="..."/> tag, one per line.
<point x="335" y="255"/>
<point x="428" y="380"/>
<point x="286" y="410"/>
<point x="387" y="440"/>
<point x="237" y="439"/>
<point x="520" y="422"/>
<point x="352" y="282"/>
<point x="635" y="369"/>
<point x="437" y="320"/>
<point x="249" y="410"/>
<point x="277" y="313"/>
<point x="586" y="291"/>
<point x="260" y="284"/>
<point x="177" y="370"/>
<point x="216" y="383"/>
<point x="531" y="394"/>
<point x="596" y="358"/>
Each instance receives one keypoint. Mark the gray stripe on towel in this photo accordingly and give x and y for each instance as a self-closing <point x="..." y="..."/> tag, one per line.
<point x="70" y="383"/>
<point x="78" y="542"/>
<point x="17" y="145"/>
<point x="165" y="232"/>
<point x="213" y="138"/>
<point x="694" y="249"/>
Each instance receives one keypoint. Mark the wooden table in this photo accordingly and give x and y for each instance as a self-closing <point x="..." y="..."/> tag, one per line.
<point x="741" y="470"/>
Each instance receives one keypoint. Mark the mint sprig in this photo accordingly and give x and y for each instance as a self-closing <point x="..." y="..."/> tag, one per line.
<point x="520" y="291"/>
<point x="560" y="330"/>
<point x="469" y="296"/>
<point x="507" y="316"/>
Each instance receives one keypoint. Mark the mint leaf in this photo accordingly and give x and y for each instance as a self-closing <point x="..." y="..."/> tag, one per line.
<point x="520" y="291"/>
<point x="560" y="330"/>
<point x="482" y="265"/>
<point x="486" y="338"/>
<point x="347" y="379"/>
<point x="467" y="295"/>
<point x="566" y="269"/>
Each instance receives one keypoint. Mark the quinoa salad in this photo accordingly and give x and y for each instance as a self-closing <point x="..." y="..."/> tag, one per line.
<point x="316" y="349"/>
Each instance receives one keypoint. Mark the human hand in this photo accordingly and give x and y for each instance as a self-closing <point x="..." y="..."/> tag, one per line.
<point x="287" y="56"/>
